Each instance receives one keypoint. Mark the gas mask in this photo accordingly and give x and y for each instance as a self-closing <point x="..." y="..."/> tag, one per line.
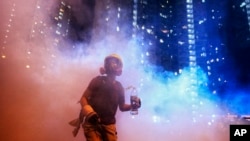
<point x="113" y="65"/>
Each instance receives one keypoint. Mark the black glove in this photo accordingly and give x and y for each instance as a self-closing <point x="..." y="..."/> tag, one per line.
<point x="93" y="118"/>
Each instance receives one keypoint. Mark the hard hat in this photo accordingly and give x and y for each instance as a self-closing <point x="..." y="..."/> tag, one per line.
<point x="116" y="56"/>
<point x="109" y="68"/>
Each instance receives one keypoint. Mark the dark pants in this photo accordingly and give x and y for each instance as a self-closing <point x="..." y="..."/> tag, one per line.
<point x="100" y="132"/>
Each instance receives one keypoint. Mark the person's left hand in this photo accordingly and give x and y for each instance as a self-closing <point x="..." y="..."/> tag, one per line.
<point x="137" y="103"/>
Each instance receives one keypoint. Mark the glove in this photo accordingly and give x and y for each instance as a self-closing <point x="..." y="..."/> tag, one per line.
<point x="93" y="118"/>
<point x="90" y="115"/>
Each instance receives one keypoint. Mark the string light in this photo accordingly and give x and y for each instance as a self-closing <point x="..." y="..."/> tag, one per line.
<point x="8" y="31"/>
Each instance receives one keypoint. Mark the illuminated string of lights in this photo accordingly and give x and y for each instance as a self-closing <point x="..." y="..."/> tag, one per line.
<point x="62" y="29"/>
<point x="134" y="23"/>
<point x="36" y="32"/>
<point x="8" y="31"/>
<point x="136" y="37"/>
<point x="192" y="57"/>
<point x="118" y="17"/>
<point x="109" y="15"/>
<point x="191" y="34"/>
<point x="39" y="25"/>
<point x="247" y="2"/>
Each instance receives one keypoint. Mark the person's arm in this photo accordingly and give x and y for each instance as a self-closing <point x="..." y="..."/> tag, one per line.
<point x="87" y="110"/>
<point x="125" y="107"/>
<point x="122" y="105"/>
<point x="88" y="92"/>
<point x="83" y="100"/>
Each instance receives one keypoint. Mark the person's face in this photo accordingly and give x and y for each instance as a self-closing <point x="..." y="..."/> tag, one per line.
<point x="114" y="66"/>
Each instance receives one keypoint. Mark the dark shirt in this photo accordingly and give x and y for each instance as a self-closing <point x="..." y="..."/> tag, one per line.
<point x="105" y="97"/>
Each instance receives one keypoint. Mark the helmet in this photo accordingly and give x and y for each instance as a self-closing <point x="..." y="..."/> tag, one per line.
<point x="112" y="65"/>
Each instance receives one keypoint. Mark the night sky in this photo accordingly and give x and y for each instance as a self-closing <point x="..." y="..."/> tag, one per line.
<point x="238" y="42"/>
<point x="234" y="33"/>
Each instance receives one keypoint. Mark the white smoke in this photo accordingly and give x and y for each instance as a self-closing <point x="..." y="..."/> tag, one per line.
<point x="40" y="86"/>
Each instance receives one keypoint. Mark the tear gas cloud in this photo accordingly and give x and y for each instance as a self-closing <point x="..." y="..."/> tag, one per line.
<point x="41" y="85"/>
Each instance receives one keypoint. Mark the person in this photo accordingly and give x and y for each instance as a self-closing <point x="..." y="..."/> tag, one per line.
<point x="101" y="99"/>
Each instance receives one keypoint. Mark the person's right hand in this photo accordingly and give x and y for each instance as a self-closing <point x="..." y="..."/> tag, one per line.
<point x="93" y="118"/>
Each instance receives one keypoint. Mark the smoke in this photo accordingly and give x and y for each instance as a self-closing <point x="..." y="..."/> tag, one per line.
<point x="40" y="85"/>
